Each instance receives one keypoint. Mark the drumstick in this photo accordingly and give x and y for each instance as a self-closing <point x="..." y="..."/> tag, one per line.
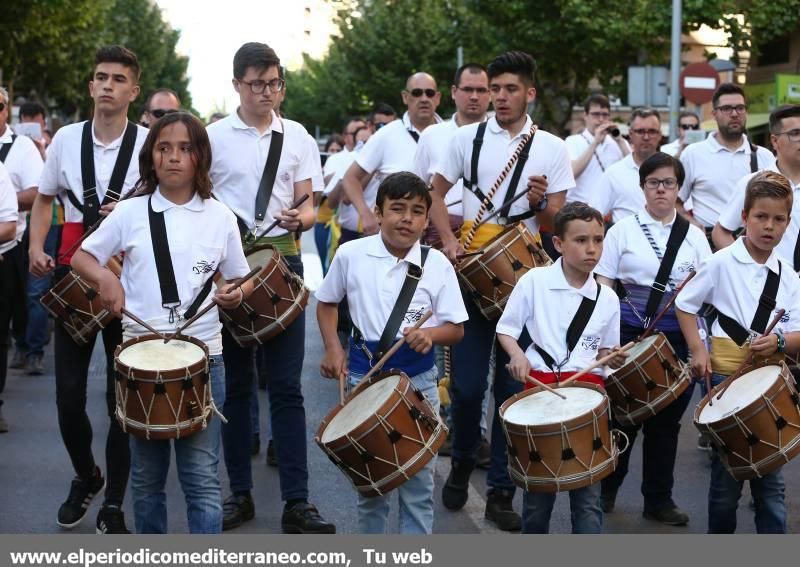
<point x="341" y="389"/>
<point x="597" y="363"/>
<point x="210" y="305"/>
<point x="541" y="384"/>
<point x="276" y="222"/>
<point x="144" y="324"/>
<point x="469" y="254"/>
<point x="505" y="207"/>
<point x="738" y="372"/>
<point x="652" y="325"/>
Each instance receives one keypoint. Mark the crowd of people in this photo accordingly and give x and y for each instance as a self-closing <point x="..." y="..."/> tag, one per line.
<point x="161" y="216"/>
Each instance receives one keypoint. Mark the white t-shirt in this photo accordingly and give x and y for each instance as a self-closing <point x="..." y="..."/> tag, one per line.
<point x="545" y="304"/>
<point x="8" y="206"/>
<point x="203" y="237"/>
<point x="629" y="257"/>
<point x="431" y="147"/>
<point x="712" y="171"/>
<point x="548" y="156"/>
<point x="618" y="190"/>
<point x="239" y="154"/>
<point x="333" y="161"/>
<point x="605" y="155"/>
<point x="317" y="181"/>
<point x="371" y="278"/>
<point x="62" y="170"/>
<point x="731" y="216"/>
<point x="24" y="164"/>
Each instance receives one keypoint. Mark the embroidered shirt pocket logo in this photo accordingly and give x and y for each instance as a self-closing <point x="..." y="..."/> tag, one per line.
<point x="590" y="343"/>
<point x="204" y="267"/>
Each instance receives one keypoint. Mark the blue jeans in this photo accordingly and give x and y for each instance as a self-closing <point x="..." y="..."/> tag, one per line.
<point x="285" y="354"/>
<point x="36" y="332"/>
<point x="470" y="377"/>
<point x="415" y="496"/>
<point x="197" y="458"/>
<point x="584" y="504"/>
<point x="322" y="237"/>
<point x="725" y="491"/>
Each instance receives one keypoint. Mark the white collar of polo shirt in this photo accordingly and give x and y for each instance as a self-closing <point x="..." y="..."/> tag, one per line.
<point x="743" y="256"/>
<point x="6" y="137"/>
<point x="646" y="218"/>
<point x="111" y="145"/>
<point x="276" y="125"/>
<point x="378" y="249"/>
<point x="717" y="147"/>
<point x="559" y="281"/>
<point x="495" y="128"/>
<point x="629" y="163"/>
<point x="160" y="203"/>
<point x="409" y="126"/>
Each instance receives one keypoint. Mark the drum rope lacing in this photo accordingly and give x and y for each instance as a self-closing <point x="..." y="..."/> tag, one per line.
<point x="77" y="328"/>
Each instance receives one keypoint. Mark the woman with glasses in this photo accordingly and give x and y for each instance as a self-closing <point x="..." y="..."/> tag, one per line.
<point x="633" y="253"/>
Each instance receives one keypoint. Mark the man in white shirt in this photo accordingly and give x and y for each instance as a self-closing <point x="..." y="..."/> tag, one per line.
<point x="618" y="191"/>
<point x="595" y="149"/>
<point x="8" y="227"/>
<point x="686" y="121"/>
<point x="784" y="127"/>
<point x="391" y="148"/>
<point x="714" y="166"/>
<point x="160" y="102"/>
<point x="90" y="165"/>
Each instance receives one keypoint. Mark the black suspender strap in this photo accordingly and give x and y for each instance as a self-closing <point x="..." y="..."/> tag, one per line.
<point x="414" y="135"/>
<point x="471" y="184"/>
<point x="512" y="185"/>
<point x="796" y="263"/>
<point x="574" y="331"/>
<point x="753" y="158"/>
<point x="120" y="171"/>
<point x="766" y="304"/>
<point x="680" y="228"/>
<point x="5" y="148"/>
<point x="413" y="275"/>
<point x="268" y="177"/>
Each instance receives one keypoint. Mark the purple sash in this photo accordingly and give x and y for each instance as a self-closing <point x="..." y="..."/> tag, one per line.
<point x="636" y="302"/>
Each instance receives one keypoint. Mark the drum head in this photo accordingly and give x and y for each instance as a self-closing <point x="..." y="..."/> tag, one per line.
<point x="156" y="355"/>
<point x="641" y="346"/>
<point x="359" y="409"/>
<point x="741" y="393"/>
<point x="544" y="408"/>
<point x="260" y="257"/>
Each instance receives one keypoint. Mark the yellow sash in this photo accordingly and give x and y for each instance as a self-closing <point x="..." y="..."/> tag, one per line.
<point x="726" y="356"/>
<point x="285" y="243"/>
<point x="483" y="235"/>
<point x="324" y="212"/>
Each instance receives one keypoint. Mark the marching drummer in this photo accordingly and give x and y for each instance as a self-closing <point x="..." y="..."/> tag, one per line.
<point x="478" y="153"/>
<point x="201" y="239"/>
<point x="645" y="256"/>
<point x="572" y="321"/>
<point x="371" y="272"/>
<point x="746" y="283"/>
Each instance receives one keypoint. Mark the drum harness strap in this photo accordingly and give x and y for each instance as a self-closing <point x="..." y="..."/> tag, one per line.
<point x="574" y="332"/>
<point x="680" y="228"/>
<point x="265" y="187"/>
<point x="766" y="304"/>
<point x="413" y="275"/>
<point x="5" y="148"/>
<point x="166" y="274"/>
<point x="91" y="205"/>
<point x="471" y="184"/>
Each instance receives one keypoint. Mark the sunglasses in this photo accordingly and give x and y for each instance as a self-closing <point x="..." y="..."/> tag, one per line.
<point x="689" y="126"/>
<point x="416" y="93"/>
<point x="160" y="112"/>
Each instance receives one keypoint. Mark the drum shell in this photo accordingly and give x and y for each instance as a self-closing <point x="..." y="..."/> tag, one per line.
<point x="77" y="305"/>
<point x="278" y="298"/>
<point x="540" y="476"/>
<point x="732" y="444"/>
<point x="667" y="377"/>
<point x="489" y="278"/>
<point x="195" y="411"/>
<point x="375" y="440"/>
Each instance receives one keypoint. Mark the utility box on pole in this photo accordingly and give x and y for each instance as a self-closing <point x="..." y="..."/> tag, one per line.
<point x="647" y="86"/>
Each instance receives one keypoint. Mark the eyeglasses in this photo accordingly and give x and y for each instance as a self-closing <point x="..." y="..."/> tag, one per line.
<point x="668" y="182"/>
<point x="161" y="112"/>
<point x="474" y="90"/>
<point x="689" y="126"/>
<point x="258" y="86"/>
<point x="793" y="135"/>
<point x="646" y="132"/>
<point x="416" y="93"/>
<point x="728" y="109"/>
<point x="600" y="114"/>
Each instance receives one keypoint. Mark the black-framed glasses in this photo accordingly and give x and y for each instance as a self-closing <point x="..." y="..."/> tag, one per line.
<point x="646" y="132"/>
<point x="668" y="182"/>
<point x="793" y="135"/>
<point x="161" y="112"/>
<point x="689" y="126"/>
<point x="416" y="93"/>
<point x="474" y="90"/>
<point x="258" y="86"/>
<point x="729" y="108"/>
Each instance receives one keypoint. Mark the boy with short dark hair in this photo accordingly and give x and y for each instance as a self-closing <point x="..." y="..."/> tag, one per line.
<point x="370" y="272"/>
<point x="545" y="302"/>
<point x="741" y="281"/>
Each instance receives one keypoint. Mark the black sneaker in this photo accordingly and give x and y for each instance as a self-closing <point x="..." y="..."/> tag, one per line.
<point x="111" y="520"/>
<point x="673" y="516"/>
<point x="456" y="488"/>
<point x="500" y="511"/>
<point x="80" y="496"/>
<point x="236" y="510"/>
<point x="484" y="454"/>
<point x="303" y="518"/>
<point x="272" y="457"/>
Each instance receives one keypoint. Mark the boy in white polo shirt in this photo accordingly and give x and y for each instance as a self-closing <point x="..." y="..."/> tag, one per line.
<point x="545" y="302"/>
<point x="198" y="236"/>
<point x="746" y="283"/>
<point x="370" y="272"/>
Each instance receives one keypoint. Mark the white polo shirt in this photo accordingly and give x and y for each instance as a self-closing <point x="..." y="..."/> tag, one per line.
<point x="346" y="212"/>
<point x="203" y="237"/>
<point x="731" y="216"/>
<point x="390" y="149"/>
<point x="317" y="181"/>
<point x="605" y="155"/>
<point x="8" y="206"/>
<point x="618" y="190"/>
<point x="24" y="164"/>
<point x="62" y="170"/>
<point x="732" y="281"/>
<point x="672" y="148"/>
<point x="712" y="171"/>
<point x="239" y="154"/>
<point x="333" y="161"/>
<point x="629" y="257"/>
<point x="371" y="278"/>
<point x="431" y="148"/>
<point x="548" y="156"/>
<point x="545" y="304"/>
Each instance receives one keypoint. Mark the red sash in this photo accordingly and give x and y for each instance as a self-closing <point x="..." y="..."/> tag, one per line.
<point x="70" y="234"/>
<point x="550" y="378"/>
